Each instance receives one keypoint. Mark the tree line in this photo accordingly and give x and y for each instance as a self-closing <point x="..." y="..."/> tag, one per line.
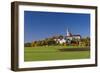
<point x="45" y="42"/>
<point x="51" y="42"/>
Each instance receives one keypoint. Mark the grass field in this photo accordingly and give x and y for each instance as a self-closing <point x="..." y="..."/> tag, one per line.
<point x="53" y="53"/>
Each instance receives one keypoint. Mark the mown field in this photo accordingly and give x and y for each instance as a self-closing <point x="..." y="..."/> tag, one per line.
<point x="53" y="53"/>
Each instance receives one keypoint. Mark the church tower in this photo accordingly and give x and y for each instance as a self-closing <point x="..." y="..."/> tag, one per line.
<point x="68" y="33"/>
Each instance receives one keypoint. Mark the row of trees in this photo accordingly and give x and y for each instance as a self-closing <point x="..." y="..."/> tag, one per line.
<point x="45" y="42"/>
<point x="85" y="41"/>
<point x="51" y="41"/>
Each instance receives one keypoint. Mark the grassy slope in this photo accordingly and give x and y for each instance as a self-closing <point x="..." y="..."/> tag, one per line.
<point x="52" y="53"/>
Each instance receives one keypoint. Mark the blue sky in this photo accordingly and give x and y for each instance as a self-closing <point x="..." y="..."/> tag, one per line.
<point x="40" y="25"/>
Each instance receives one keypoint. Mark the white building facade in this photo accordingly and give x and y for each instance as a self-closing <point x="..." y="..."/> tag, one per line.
<point x="68" y="38"/>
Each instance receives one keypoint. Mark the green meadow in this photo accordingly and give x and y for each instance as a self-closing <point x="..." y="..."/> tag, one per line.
<point x="43" y="53"/>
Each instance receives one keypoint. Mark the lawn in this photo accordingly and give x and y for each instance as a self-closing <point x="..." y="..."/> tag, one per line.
<point x="53" y="53"/>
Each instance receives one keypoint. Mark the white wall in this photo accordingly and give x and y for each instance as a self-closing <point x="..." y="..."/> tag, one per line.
<point x="5" y="40"/>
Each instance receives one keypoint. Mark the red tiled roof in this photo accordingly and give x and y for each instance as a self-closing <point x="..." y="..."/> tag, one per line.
<point x="76" y="35"/>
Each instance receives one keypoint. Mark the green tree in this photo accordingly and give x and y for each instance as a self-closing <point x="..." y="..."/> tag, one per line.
<point x="27" y="44"/>
<point x="85" y="41"/>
